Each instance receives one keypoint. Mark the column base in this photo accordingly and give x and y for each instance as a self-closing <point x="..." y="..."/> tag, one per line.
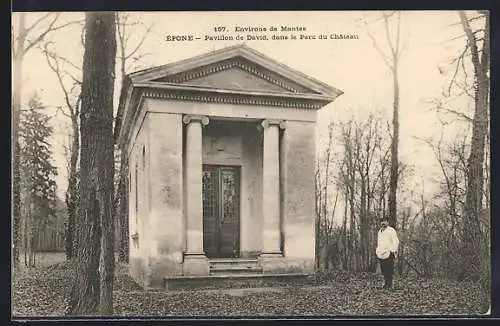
<point x="272" y="262"/>
<point x="196" y="264"/>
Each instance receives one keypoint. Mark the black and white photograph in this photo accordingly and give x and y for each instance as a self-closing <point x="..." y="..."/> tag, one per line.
<point x="250" y="164"/>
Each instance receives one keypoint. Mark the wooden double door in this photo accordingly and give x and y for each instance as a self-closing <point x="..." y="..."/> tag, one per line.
<point x="221" y="211"/>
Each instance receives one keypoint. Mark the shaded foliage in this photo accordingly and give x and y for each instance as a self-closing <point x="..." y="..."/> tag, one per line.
<point x="37" y="187"/>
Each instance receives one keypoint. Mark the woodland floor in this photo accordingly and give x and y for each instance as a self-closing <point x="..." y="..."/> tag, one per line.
<point x="43" y="291"/>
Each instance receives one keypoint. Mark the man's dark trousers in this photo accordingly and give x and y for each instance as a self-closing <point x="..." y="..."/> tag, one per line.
<point x="387" y="268"/>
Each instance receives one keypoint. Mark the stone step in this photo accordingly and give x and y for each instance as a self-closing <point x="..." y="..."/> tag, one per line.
<point x="238" y="266"/>
<point x="243" y="280"/>
<point x="235" y="269"/>
<point x="233" y="261"/>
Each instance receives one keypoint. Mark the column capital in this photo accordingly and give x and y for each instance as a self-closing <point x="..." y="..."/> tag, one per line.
<point x="187" y="119"/>
<point x="269" y="122"/>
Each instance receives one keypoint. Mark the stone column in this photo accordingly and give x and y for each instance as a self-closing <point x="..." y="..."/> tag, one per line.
<point x="271" y="188"/>
<point x="195" y="261"/>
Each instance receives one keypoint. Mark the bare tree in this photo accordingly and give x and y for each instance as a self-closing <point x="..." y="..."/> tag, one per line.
<point x="25" y="39"/>
<point x="72" y="101"/>
<point x="325" y="213"/>
<point x="392" y="61"/>
<point x="464" y="165"/>
<point x="480" y="57"/>
<point x="360" y="180"/>
<point x="92" y="290"/>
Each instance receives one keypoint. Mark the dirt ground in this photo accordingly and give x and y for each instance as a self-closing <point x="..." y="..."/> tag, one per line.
<point x="44" y="290"/>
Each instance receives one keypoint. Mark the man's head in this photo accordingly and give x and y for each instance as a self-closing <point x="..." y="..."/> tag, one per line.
<point x="384" y="222"/>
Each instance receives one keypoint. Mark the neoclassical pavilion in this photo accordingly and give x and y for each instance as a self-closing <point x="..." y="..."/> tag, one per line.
<point x="221" y="159"/>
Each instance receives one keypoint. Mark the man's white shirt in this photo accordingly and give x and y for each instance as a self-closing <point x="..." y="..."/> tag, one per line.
<point x="387" y="242"/>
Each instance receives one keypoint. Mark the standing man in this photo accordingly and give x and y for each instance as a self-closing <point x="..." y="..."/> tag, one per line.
<point x="387" y="246"/>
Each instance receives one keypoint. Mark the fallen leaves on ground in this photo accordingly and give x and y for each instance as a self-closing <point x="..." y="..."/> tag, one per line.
<point x="44" y="292"/>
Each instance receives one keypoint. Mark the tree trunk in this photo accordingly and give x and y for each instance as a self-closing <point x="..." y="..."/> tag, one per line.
<point x="352" y="226"/>
<point x="72" y="191"/>
<point x="475" y="162"/>
<point x="317" y="212"/>
<point x="122" y="193"/>
<point x="16" y="111"/>
<point x="29" y="228"/>
<point x="93" y="284"/>
<point x="344" y="233"/>
<point x="16" y="211"/>
<point x="394" y="148"/>
<point x="362" y="225"/>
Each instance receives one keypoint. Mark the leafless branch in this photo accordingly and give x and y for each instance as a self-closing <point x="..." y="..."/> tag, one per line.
<point x="141" y="42"/>
<point x="52" y="61"/>
<point x="457" y="113"/>
<point x="39" y="20"/>
<point x="378" y="18"/>
<point x="388" y="36"/>
<point x="50" y="28"/>
<point x="65" y="60"/>
<point x="458" y="60"/>
<point x="60" y="110"/>
<point x="471" y="39"/>
<point x="460" y="36"/>
<point x="468" y="19"/>
<point x="385" y="57"/>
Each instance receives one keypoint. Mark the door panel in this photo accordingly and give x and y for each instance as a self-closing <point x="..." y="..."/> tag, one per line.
<point x="210" y="210"/>
<point x="221" y="201"/>
<point x="229" y="222"/>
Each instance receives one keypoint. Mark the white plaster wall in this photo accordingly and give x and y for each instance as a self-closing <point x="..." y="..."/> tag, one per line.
<point x="299" y="143"/>
<point x="166" y="225"/>
<point x="139" y="212"/>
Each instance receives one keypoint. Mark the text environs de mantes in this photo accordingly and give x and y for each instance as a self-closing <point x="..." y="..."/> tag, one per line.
<point x="265" y="29"/>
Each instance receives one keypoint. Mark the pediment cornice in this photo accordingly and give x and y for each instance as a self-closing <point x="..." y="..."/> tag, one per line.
<point x="238" y="62"/>
<point x="242" y="98"/>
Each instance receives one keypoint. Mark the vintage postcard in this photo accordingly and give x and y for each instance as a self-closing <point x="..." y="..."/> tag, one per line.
<point x="251" y="164"/>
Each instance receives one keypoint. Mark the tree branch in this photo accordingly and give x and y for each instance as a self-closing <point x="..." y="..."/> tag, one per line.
<point x="388" y="36"/>
<point x="49" y="29"/>
<point x="54" y="66"/>
<point x="140" y="43"/>
<point x="385" y="57"/>
<point x="471" y="39"/>
<point x="468" y="19"/>
<point x="457" y="113"/>
<point x="39" y="20"/>
<point x="460" y="58"/>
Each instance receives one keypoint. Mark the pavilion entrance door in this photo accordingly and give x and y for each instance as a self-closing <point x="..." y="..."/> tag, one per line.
<point x="221" y="211"/>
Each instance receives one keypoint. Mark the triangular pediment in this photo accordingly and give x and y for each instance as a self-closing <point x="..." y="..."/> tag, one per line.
<point x="236" y="78"/>
<point x="235" y="74"/>
<point x="234" y="68"/>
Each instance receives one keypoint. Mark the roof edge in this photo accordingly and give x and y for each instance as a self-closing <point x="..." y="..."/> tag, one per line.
<point x="234" y="51"/>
